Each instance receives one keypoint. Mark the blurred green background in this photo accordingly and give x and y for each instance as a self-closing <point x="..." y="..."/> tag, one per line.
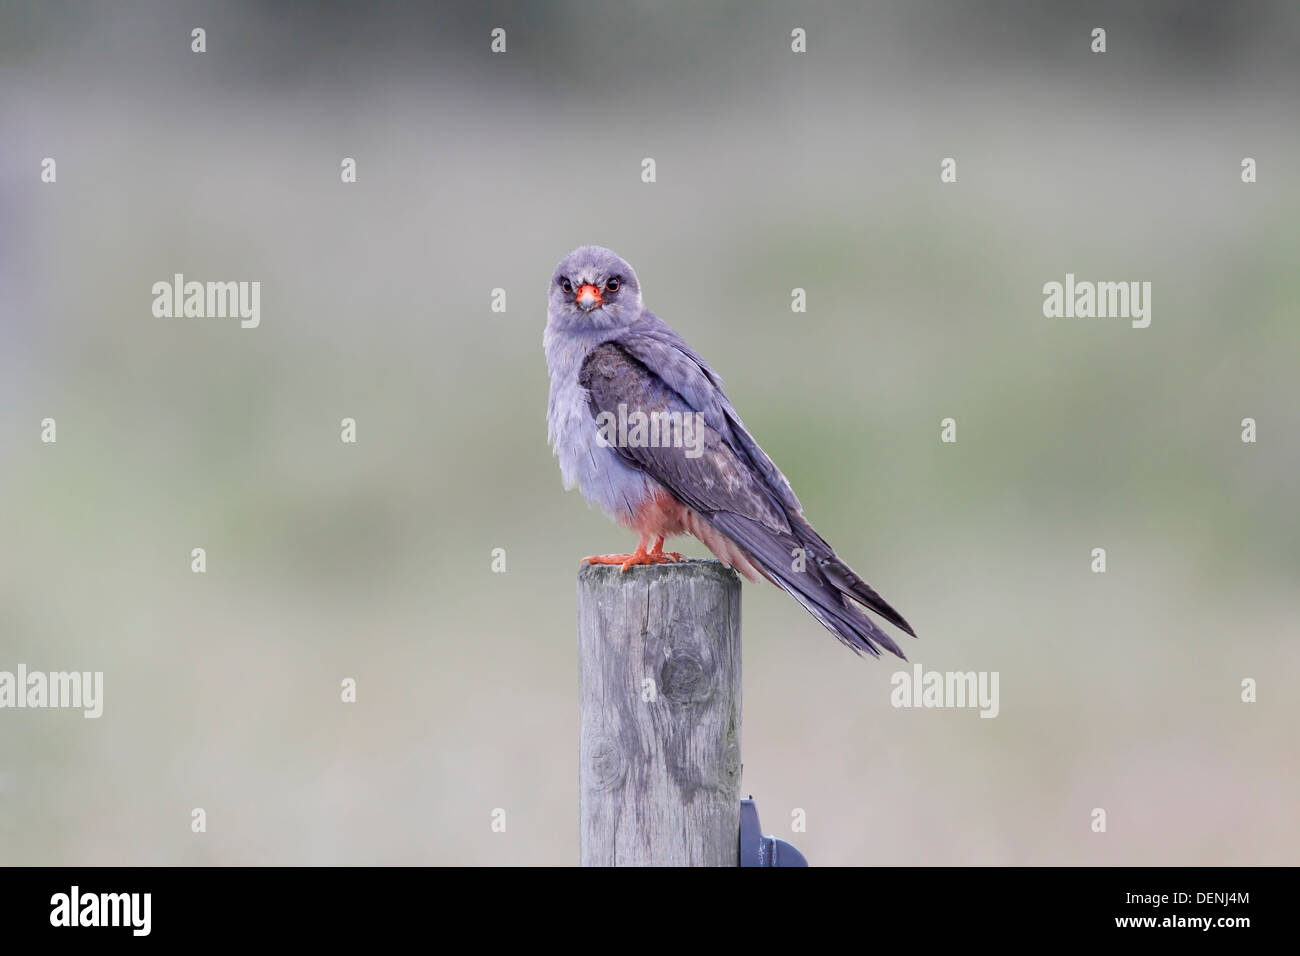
<point x="775" y="171"/>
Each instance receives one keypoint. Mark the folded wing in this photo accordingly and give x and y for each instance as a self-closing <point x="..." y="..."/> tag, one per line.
<point x="716" y="468"/>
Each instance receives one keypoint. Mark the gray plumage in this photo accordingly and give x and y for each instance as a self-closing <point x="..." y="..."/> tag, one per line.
<point x="605" y="350"/>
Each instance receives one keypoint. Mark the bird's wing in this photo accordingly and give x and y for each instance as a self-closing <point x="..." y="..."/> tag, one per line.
<point x="695" y="463"/>
<point x="656" y="345"/>
<point x="726" y="487"/>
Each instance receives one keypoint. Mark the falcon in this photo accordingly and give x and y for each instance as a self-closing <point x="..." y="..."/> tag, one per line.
<point x="701" y="473"/>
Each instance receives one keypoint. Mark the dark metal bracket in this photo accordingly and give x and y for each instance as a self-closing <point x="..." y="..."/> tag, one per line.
<point x="759" y="850"/>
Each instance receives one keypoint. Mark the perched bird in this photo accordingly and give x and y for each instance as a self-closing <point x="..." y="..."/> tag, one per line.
<point x="640" y="424"/>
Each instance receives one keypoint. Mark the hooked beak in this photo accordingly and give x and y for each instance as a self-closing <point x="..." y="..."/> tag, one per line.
<point x="588" y="297"/>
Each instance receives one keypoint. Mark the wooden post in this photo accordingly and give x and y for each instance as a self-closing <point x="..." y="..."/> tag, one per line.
<point x="659" y="693"/>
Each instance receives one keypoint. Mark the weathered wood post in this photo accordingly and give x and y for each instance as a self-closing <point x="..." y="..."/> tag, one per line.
<point x="659" y="692"/>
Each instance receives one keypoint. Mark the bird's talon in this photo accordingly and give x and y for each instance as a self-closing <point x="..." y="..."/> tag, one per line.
<point x="607" y="558"/>
<point x="637" y="557"/>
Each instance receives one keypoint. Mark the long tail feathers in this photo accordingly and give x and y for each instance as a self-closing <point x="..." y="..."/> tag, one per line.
<point x="844" y="578"/>
<point x="823" y="584"/>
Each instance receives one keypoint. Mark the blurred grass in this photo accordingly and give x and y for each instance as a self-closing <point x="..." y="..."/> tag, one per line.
<point x="373" y="561"/>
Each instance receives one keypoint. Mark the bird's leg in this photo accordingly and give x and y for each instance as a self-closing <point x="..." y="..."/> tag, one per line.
<point x="657" y="551"/>
<point x="627" y="560"/>
<point x="655" y="555"/>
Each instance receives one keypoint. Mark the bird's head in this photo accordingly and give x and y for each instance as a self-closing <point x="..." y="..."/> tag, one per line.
<point x="593" y="288"/>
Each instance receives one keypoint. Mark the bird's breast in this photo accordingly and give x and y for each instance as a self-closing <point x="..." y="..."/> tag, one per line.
<point x="603" y="476"/>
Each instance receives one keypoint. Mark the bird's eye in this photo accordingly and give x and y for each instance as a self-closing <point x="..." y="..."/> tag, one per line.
<point x="611" y="284"/>
<point x="567" y="286"/>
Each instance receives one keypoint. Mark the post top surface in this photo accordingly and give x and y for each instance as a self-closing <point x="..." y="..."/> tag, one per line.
<point x="699" y="568"/>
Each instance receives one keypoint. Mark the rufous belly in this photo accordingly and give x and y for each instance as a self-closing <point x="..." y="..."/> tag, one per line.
<point x="663" y="516"/>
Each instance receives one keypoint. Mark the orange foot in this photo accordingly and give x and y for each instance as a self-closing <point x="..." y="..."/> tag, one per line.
<point x="656" y="555"/>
